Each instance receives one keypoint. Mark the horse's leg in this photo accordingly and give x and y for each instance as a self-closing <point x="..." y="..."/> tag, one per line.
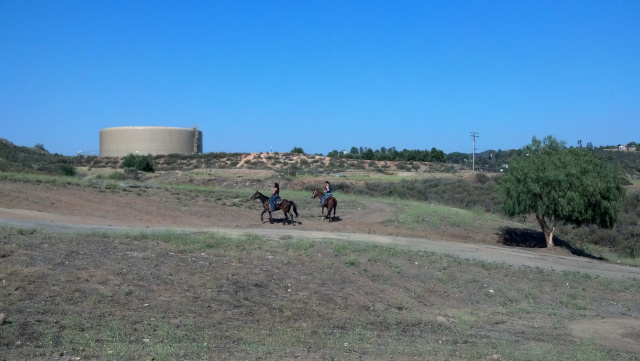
<point x="261" y="214"/>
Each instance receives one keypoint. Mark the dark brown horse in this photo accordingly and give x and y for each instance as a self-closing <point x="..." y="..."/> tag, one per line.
<point x="331" y="203"/>
<point x="285" y="206"/>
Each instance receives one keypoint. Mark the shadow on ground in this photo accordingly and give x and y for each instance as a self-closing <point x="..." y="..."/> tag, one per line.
<point x="528" y="238"/>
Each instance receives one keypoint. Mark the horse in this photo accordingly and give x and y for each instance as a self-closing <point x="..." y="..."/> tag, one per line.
<point x="331" y="203"/>
<point x="285" y="206"/>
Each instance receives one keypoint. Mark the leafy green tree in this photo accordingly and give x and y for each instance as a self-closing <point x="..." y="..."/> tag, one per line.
<point x="368" y="154"/>
<point x="334" y="153"/>
<point x="438" y="155"/>
<point x="560" y="184"/>
<point x="297" y="150"/>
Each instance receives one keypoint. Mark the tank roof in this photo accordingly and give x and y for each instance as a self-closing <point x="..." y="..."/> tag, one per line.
<point x="147" y="127"/>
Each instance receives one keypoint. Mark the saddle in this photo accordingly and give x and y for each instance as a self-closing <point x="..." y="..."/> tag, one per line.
<point x="275" y="203"/>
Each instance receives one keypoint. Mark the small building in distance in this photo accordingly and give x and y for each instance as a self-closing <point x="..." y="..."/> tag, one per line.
<point x="149" y="140"/>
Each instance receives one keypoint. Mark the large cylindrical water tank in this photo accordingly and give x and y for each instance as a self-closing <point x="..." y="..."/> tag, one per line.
<point x="120" y="141"/>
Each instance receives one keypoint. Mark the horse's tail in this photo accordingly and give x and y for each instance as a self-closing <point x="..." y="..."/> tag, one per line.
<point x="295" y="210"/>
<point x="335" y="206"/>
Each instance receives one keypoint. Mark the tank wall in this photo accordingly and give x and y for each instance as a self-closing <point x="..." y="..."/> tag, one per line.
<point x="118" y="142"/>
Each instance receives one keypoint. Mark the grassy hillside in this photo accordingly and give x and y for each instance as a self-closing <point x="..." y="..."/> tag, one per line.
<point x="434" y="183"/>
<point x="37" y="159"/>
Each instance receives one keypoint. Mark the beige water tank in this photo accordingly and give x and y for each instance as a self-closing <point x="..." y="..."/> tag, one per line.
<point x="120" y="141"/>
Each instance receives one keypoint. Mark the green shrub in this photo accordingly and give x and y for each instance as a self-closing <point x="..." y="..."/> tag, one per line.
<point x="116" y="176"/>
<point x="67" y="169"/>
<point x="139" y="162"/>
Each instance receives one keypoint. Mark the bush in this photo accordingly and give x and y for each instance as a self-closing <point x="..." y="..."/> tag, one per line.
<point x="481" y="178"/>
<point x="116" y="176"/>
<point x="139" y="162"/>
<point x="67" y="169"/>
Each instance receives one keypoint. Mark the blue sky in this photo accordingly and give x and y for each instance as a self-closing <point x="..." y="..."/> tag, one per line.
<point x="256" y="76"/>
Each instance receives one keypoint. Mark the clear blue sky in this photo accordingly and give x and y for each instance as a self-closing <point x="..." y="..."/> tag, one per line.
<point x="322" y="75"/>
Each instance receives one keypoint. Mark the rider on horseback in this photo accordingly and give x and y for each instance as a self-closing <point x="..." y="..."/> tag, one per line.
<point x="274" y="196"/>
<point x="327" y="192"/>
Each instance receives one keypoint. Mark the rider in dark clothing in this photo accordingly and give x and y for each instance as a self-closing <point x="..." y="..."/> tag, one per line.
<point x="327" y="191"/>
<point x="274" y="196"/>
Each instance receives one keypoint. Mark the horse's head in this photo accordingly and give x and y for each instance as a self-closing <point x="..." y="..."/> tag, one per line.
<point x="316" y="193"/>
<point x="255" y="196"/>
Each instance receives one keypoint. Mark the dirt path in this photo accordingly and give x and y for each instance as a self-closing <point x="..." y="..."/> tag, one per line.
<point x="74" y="208"/>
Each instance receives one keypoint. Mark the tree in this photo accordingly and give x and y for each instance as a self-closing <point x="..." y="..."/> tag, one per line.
<point x="456" y="157"/>
<point x="298" y="150"/>
<point x="559" y="184"/>
<point x="438" y="155"/>
<point x="334" y="153"/>
<point x="368" y="154"/>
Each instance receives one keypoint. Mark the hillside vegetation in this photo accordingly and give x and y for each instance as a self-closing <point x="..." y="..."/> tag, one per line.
<point x="435" y="183"/>
<point x="132" y="293"/>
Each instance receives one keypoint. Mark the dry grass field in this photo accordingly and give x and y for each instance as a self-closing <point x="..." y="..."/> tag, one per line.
<point x="178" y="266"/>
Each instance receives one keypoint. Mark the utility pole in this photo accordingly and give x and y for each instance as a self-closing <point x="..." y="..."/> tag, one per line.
<point x="474" y="135"/>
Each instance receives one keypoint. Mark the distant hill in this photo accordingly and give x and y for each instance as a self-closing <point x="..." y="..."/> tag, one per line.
<point x="490" y="160"/>
<point x="32" y="159"/>
<point x="39" y="160"/>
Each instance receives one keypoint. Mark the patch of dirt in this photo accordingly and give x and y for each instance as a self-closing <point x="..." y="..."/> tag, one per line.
<point x="156" y="207"/>
<point x="617" y="333"/>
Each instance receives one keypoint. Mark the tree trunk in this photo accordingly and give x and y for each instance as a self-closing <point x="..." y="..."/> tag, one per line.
<point x="548" y="231"/>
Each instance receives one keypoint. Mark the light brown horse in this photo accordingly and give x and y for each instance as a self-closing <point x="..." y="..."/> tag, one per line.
<point x="331" y="203"/>
<point x="285" y="206"/>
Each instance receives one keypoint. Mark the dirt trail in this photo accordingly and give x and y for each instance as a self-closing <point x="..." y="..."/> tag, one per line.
<point x="73" y="208"/>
